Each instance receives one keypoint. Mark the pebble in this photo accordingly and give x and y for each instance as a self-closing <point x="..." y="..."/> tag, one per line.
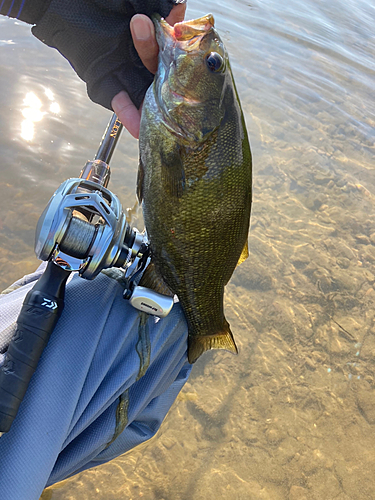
<point x="343" y="262"/>
<point x="300" y="261"/>
<point x="362" y="239"/>
<point x="369" y="253"/>
<point x="366" y="403"/>
<point x="322" y="179"/>
<point x="310" y="364"/>
<point x="298" y="493"/>
<point x="369" y="276"/>
<point x="346" y="252"/>
<point x="313" y="203"/>
<point x="324" y="484"/>
<point x="273" y="436"/>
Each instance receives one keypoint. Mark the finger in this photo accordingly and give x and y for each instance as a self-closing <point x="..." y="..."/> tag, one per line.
<point x="177" y="14"/>
<point x="127" y="113"/>
<point x="143" y="34"/>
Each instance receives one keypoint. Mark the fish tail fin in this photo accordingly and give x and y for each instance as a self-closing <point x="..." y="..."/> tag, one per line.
<point x="199" y="344"/>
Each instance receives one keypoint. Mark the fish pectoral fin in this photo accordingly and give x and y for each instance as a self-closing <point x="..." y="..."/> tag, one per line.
<point x="173" y="173"/>
<point x="151" y="279"/>
<point x="244" y="254"/>
<point x="140" y="177"/>
<point x="199" y="344"/>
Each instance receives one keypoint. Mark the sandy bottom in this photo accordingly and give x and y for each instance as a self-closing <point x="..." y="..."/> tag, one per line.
<point x="292" y="416"/>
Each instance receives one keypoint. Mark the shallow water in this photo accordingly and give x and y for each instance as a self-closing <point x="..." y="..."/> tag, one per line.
<point x="293" y="416"/>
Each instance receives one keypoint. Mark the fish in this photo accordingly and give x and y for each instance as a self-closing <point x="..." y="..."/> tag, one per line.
<point x="195" y="177"/>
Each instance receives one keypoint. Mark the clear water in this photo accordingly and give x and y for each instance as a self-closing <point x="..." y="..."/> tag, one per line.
<point x="292" y="417"/>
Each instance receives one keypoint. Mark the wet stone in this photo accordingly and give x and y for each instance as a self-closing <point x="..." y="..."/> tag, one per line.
<point x="323" y="217"/>
<point x="298" y="493"/>
<point x="346" y="252"/>
<point x="324" y="484"/>
<point x="274" y="436"/>
<point x="322" y="276"/>
<point x="343" y="262"/>
<point x="322" y="179"/>
<point x="369" y="276"/>
<point x="313" y="203"/>
<point x="366" y="403"/>
<point x="362" y="239"/>
<point x="344" y="281"/>
<point x="287" y="450"/>
<point x="340" y="182"/>
<point x="168" y="442"/>
<point x="252" y="279"/>
<point x="300" y="261"/>
<point x="310" y="365"/>
<point x="310" y="269"/>
<point x="369" y="253"/>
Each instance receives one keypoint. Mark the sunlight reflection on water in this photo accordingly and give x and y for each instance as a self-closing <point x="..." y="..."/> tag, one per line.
<point x="33" y="113"/>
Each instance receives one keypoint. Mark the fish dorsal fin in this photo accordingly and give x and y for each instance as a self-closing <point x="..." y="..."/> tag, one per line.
<point x="151" y="279"/>
<point x="244" y="254"/>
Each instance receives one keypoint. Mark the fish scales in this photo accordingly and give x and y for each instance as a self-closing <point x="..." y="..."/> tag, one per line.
<point x="194" y="177"/>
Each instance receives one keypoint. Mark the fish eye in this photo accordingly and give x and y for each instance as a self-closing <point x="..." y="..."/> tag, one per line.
<point x="214" y="62"/>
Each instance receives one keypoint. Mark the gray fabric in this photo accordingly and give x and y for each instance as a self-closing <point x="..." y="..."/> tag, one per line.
<point x="103" y="385"/>
<point x="13" y="303"/>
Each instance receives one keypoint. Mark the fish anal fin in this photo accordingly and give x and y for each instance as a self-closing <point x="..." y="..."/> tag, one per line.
<point x="199" y="344"/>
<point x="151" y="279"/>
<point x="244" y="254"/>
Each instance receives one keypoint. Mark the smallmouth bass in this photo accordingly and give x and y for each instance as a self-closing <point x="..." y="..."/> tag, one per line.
<point x="194" y="177"/>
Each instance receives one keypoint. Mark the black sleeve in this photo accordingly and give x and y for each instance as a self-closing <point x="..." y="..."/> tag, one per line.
<point x="94" y="36"/>
<point x="29" y="11"/>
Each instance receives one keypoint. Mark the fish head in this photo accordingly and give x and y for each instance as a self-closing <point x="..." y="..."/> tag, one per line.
<point x="192" y="77"/>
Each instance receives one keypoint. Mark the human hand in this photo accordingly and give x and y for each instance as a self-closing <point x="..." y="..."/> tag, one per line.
<point x="143" y="34"/>
<point x="96" y="38"/>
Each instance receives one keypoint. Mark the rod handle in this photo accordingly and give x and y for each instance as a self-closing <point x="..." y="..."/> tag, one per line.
<point x="40" y="312"/>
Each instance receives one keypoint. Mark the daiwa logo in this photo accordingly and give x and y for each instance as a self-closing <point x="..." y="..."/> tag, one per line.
<point x="51" y="304"/>
<point x="150" y="307"/>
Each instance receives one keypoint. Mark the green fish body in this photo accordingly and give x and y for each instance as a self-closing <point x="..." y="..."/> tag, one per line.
<point x="194" y="178"/>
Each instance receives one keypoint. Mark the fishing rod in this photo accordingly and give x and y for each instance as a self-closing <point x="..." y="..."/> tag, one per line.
<point x="83" y="229"/>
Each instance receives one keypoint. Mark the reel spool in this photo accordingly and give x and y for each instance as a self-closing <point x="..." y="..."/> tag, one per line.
<point x="66" y="236"/>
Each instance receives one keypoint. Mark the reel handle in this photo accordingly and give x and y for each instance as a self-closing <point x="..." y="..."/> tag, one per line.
<point x="40" y="312"/>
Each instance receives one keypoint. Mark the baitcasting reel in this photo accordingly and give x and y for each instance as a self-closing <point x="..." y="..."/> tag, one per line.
<point x="82" y="229"/>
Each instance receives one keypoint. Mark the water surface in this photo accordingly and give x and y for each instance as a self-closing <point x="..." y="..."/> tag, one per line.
<point x="293" y="416"/>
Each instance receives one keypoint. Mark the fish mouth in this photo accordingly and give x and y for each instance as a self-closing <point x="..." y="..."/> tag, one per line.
<point x="182" y="38"/>
<point x="183" y="31"/>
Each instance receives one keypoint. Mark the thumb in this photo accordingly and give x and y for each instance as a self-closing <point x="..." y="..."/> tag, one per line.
<point x="143" y="34"/>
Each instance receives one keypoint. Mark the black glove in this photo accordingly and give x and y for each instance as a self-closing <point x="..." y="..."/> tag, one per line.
<point x="94" y="35"/>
